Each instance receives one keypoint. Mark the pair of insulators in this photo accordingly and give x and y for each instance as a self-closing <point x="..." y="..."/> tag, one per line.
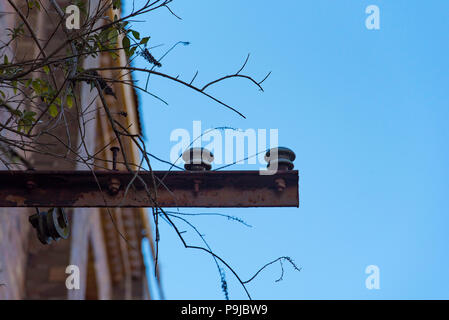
<point x="200" y="159"/>
<point x="52" y="225"/>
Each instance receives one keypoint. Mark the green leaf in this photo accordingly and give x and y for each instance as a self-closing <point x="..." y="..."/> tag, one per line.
<point x="131" y="51"/>
<point x="136" y="34"/>
<point x="17" y="113"/>
<point x="69" y="101"/>
<point x="53" y="110"/>
<point x="126" y="43"/>
<point x="5" y="59"/>
<point x="116" y="4"/>
<point x="46" y="69"/>
<point x="29" y="115"/>
<point x="14" y="86"/>
<point x="144" y="40"/>
<point x="36" y="86"/>
<point x="33" y="3"/>
<point x="112" y="36"/>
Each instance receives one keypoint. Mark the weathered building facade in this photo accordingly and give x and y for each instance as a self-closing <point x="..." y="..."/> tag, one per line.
<point x="109" y="266"/>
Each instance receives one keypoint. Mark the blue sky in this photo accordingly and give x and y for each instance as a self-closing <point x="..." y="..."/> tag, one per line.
<point x="365" y="111"/>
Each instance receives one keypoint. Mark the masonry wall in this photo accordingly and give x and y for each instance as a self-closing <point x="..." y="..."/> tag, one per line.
<point x="28" y="269"/>
<point x="14" y="226"/>
<point x="14" y="229"/>
<point x="31" y="270"/>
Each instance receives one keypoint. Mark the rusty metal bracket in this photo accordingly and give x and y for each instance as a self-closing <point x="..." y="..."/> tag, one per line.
<point x="174" y="189"/>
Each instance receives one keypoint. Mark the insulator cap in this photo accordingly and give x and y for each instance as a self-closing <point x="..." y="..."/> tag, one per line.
<point x="281" y="158"/>
<point x="197" y="159"/>
<point x="51" y="225"/>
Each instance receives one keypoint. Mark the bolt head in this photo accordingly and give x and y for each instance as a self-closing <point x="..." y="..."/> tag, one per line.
<point x="30" y="185"/>
<point x="114" y="186"/>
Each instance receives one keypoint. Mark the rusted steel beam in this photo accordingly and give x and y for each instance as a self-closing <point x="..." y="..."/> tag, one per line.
<point x="179" y="189"/>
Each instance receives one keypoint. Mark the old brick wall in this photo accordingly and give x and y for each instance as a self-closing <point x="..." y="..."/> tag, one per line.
<point x="14" y="229"/>
<point x="14" y="226"/>
<point x="45" y="271"/>
<point x="30" y="270"/>
<point x="46" y="265"/>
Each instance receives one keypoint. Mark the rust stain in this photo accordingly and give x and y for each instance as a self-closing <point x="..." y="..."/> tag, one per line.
<point x="17" y="200"/>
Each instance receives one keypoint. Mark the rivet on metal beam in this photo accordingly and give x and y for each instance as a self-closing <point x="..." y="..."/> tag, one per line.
<point x="114" y="186"/>
<point x="30" y="185"/>
<point x="196" y="186"/>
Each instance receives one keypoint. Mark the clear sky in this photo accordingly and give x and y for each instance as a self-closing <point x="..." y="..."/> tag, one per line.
<point x="366" y="112"/>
